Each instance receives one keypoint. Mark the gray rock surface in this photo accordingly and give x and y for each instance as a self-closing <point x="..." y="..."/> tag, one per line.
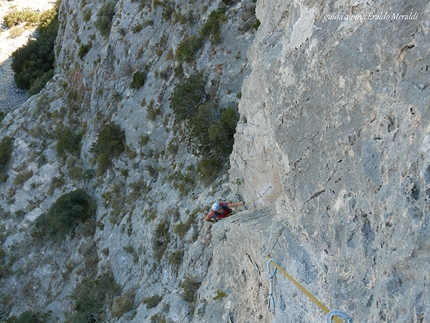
<point x="341" y="132"/>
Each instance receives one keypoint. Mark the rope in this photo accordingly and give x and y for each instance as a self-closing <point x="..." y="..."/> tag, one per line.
<point x="304" y="290"/>
<point x="268" y="188"/>
<point x="260" y="198"/>
<point x="338" y="313"/>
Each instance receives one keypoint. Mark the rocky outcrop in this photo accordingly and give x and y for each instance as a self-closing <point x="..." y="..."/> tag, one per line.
<point x="148" y="235"/>
<point x="335" y="116"/>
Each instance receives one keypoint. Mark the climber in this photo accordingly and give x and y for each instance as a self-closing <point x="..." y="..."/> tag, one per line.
<point x="221" y="210"/>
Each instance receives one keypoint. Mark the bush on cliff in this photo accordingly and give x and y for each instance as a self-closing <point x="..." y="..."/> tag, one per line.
<point x="212" y="27"/>
<point x="68" y="142"/>
<point x="104" y="18"/>
<point x="210" y="127"/>
<point x="161" y="240"/>
<point x="187" y="97"/>
<point x="91" y="298"/>
<point x="64" y="215"/>
<point x="5" y="152"/>
<point x="33" y="63"/>
<point x="29" y="317"/>
<point x="110" y="144"/>
<point x="189" y="47"/>
<point x="190" y="285"/>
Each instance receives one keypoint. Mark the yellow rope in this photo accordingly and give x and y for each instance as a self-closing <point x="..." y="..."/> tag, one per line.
<point x="305" y="291"/>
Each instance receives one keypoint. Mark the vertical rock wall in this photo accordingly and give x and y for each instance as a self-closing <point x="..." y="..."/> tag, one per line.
<point x="335" y="117"/>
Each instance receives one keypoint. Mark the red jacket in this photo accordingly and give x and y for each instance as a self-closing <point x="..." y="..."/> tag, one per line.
<point x="224" y="214"/>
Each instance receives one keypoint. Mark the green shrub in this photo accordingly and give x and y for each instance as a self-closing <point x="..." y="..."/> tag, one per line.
<point x="152" y="301"/>
<point x="132" y="252"/>
<point x="5" y="152"/>
<point x="88" y="174"/>
<point x="187" y="49"/>
<point x="137" y="28"/>
<point x="187" y="96"/>
<point x="22" y="177"/>
<point x="76" y="173"/>
<point x="219" y="294"/>
<point x="176" y="258"/>
<point x="122" y="305"/>
<point x="92" y="297"/>
<point x="209" y="167"/>
<point x="138" y="80"/>
<point x="33" y="63"/>
<point x="138" y="188"/>
<point x="182" y="228"/>
<point x="143" y="139"/>
<point x="64" y="215"/>
<point x="168" y="10"/>
<point x="256" y="24"/>
<point x="184" y="182"/>
<point x="206" y="115"/>
<point x="28" y="317"/>
<point x="173" y="146"/>
<point x="151" y="215"/>
<point x="161" y="239"/>
<point x="157" y="318"/>
<point x="84" y="49"/>
<point x="48" y="21"/>
<point x="16" y="32"/>
<point x="213" y="25"/>
<point x="57" y="182"/>
<point x="110" y="144"/>
<point x="221" y="133"/>
<point x="4" y="270"/>
<point x="152" y="112"/>
<point x="68" y="141"/>
<point x="190" y="285"/>
<point x="104" y="18"/>
<point x="2" y="115"/>
<point x="17" y="17"/>
<point x="87" y="15"/>
<point x="40" y="82"/>
<point x="210" y="128"/>
<point x="179" y="71"/>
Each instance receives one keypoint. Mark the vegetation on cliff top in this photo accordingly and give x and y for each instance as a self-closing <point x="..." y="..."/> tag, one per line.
<point x="33" y="63"/>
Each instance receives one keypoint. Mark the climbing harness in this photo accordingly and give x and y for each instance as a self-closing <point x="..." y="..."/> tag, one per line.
<point x="330" y="314"/>
<point x="271" y="300"/>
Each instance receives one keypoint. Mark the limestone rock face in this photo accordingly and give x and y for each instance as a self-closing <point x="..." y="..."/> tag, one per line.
<point x="335" y="117"/>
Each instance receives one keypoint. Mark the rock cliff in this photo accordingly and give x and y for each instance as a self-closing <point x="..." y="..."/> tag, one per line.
<point x="335" y="116"/>
<point x="331" y="152"/>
